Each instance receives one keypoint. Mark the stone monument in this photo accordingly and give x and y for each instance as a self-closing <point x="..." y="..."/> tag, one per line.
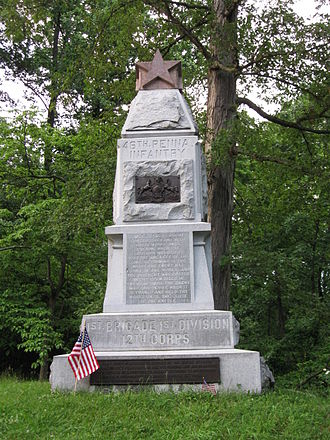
<point x="158" y="325"/>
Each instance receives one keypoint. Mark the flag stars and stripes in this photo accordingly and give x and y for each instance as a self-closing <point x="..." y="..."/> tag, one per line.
<point x="82" y="358"/>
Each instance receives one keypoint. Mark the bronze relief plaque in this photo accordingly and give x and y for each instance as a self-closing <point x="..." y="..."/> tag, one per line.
<point x="157" y="189"/>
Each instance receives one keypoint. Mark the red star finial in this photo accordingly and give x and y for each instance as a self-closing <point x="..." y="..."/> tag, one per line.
<point x="158" y="74"/>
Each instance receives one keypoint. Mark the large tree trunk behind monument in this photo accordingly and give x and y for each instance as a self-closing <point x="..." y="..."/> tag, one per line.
<point x="221" y="110"/>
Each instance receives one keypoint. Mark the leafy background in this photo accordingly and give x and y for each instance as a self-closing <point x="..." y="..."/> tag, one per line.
<point x="57" y="172"/>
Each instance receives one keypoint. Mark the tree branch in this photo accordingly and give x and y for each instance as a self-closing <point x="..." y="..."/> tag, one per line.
<point x="31" y="174"/>
<point x="277" y="120"/>
<point x="167" y="48"/>
<point x="55" y="291"/>
<point x="258" y="57"/>
<point x="216" y="65"/>
<point x="276" y="160"/>
<point x="51" y="177"/>
<point x="125" y="5"/>
<point x="189" y="6"/>
<point x="261" y="158"/>
<point x="7" y="248"/>
<point x="164" y="7"/>
<point x="312" y="115"/>
<point x="281" y="80"/>
<point x="35" y="92"/>
<point x="317" y="373"/>
<point x="181" y="37"/>
<point x="307" y="144"/>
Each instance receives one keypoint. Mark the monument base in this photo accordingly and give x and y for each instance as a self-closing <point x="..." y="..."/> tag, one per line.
<point x="239" y="370"/>
<point x="135" y="331"/>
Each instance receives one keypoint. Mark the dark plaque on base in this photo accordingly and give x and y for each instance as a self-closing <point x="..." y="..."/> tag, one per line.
<point x="157" y="371"/>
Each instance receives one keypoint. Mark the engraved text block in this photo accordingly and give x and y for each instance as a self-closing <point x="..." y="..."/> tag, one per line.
<point x="158" y="268"/>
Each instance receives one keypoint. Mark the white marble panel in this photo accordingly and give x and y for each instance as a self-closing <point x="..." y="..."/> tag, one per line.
<point x="161" y="331"/>
<point x="177" y="249"/>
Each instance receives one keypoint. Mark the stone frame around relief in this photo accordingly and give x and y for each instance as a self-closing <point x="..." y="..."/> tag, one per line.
<point x="183" y="210"/>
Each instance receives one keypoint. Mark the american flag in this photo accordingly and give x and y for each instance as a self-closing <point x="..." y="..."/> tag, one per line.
<point x="209" y="388"/>
<point x="82" y="359"/>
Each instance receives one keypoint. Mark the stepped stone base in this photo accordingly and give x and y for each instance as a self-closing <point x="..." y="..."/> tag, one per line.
<point x="239" y="370"/>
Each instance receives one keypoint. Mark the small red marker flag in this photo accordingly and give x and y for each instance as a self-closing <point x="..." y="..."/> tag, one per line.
<point x="209" y="388"/>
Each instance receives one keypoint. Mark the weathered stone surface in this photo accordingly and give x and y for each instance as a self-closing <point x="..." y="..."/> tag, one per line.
<point x="164" y="211"/>
<point x="156" y="148"/>
<point x="239" y="369"/>
<point x="236" y="327"/>
<point x="62" y="378"/>
<point x="267" y="378"/>
<point x="144" y="153"/>
<point x="161" y="331"/>
<point x="158" y="110"/>
<point x="179" y="292"/>
<point x="158" y="268"/>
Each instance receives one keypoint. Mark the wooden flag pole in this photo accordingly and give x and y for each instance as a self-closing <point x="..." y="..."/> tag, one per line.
<point x="82" y="344"/>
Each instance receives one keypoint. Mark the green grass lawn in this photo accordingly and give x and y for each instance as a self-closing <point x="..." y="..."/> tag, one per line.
<point x="28" y="410"/>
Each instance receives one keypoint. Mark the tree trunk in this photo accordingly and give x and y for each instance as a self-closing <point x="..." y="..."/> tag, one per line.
<point x="280" y="308"/>
<point x="51" y="116"/>
<point x="314" y="244"/>
<point x="221" y="111"/>
<point x="269" y="316"/>
<point x="281" y="315"/>
<point x="43" y="373"/>
<point x="55" y="290"/>
<point x="319" y="283"/>
<point x="220" y="214"/>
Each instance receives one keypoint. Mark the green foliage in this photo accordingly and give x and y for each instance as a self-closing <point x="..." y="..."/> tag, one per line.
<point x="282" y="53"/>
<point x="280" y="246"/>
<point x="53" y="253"/>
<point x="56" y="191"/>
<point x="77" y="57"/>
<point x="29" y="410"/>
<point x="312" y="373"/>
<point x="76" y="53"/>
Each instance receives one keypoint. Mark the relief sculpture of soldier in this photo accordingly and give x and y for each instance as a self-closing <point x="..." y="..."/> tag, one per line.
<point x="157" y="189"/>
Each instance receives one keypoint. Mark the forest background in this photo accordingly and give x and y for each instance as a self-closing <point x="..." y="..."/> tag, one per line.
<point x="57" y="166"/>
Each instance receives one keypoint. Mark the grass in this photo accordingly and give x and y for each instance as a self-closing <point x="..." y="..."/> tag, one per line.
<point x="28" y="410"/>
